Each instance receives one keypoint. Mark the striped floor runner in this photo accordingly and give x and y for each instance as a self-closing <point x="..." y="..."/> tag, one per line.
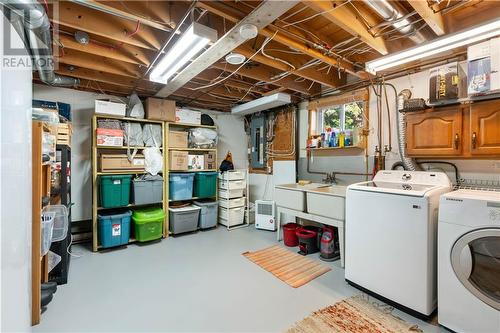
<point x="291" y="268"/>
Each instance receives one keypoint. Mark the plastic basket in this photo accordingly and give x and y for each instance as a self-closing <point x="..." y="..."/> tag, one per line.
<point x="47" y="231"/>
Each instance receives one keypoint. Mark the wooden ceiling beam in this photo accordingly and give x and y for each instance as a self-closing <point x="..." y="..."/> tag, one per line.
<point x="265" y="74"/>
<point x="434" y="20"/>
<point x="119" y="80"/>
<point x="224" y="92"/>
<point x="310" y="73"/>
<point x="99" y="63"/>
<point x="270" y="31"/>
<point x="118" y="9"/>
<point x="342" y="16"/>
<point x="120" y="30"/>
<point x="237" y="84"/>
<point x="119" y="54"/>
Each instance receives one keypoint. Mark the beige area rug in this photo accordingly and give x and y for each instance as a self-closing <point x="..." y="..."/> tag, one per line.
<point x="291" y="268"/>
<point x="354" y="315"/>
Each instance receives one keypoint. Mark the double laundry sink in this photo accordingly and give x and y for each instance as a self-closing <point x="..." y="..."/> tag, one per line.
<point x="314" y="198"/>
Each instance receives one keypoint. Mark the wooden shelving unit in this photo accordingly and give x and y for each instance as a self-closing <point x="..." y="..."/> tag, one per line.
<point x="96" y="150"/>
<point x="40" y="189"/>
<point x="197" y="150"/>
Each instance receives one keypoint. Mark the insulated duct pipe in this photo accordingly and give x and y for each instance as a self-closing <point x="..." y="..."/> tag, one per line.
<point x="389" y="13"/>
<point x="38" y="40"/>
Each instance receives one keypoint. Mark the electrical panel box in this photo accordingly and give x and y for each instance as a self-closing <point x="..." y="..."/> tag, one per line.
<point x="258" y="157"/>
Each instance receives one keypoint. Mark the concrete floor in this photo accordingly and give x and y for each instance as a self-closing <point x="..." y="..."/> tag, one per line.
<point x="194" y="283"/>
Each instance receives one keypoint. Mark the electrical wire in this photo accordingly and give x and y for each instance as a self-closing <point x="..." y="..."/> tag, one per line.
<point x="317" y="14"/>
<point x="266" y="41"/>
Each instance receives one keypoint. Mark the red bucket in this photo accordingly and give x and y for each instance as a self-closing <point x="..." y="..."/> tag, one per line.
<point x="289" y="237"/>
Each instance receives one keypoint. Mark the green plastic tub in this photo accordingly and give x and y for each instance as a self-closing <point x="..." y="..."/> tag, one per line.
<point x="148" y="223"/>
<point x="115" y="190"/>
<point x="205" y="184"/>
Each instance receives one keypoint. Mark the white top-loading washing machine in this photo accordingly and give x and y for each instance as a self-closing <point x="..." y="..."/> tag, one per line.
<point x="390" y="237"/>
<point x="469" y="261"/>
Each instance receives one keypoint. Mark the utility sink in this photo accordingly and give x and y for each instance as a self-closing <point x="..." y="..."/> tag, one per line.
<point x="293" y="196"/>
<point x="327" y="201"/>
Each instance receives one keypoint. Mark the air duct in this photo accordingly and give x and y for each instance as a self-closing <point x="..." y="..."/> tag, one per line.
<point x="389" y="13"/>
<point x="38" y="40"/>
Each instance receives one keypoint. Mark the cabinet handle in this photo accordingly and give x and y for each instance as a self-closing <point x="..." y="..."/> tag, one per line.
<point x="457" y="141"/>
<point x="474" y="140"/>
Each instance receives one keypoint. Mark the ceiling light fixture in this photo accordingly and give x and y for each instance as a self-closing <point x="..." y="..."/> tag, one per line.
<point x="234" y="58"/>
<point x="469" y="36"/>
<point x="191" y="42"/>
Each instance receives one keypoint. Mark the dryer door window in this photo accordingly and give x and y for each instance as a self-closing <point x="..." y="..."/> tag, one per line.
<point x="475" y="258"/>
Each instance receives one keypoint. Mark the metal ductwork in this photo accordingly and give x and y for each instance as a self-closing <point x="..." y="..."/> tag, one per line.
<point x="38" y="40"/>
<point x="389" y="13"/>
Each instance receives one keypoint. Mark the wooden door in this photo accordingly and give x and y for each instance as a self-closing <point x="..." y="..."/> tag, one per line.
<point x="485" y="128"/>
<point x="435" y="132"/>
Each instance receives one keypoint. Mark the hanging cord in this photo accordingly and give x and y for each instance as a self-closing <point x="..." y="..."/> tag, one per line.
<point x="388" y="148"/>
<point x="266" y="41"/>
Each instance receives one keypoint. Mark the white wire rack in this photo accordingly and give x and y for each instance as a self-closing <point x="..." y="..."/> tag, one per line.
<point x="478" y="184"/>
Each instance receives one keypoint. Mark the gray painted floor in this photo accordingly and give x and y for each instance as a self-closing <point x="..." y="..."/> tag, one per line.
<point x="193" y="283"/>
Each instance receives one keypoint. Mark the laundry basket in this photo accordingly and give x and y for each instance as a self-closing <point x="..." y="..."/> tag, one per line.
<point x="47" y="231"/>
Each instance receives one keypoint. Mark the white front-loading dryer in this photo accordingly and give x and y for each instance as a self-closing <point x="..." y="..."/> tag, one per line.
<point x="469" y="261"/>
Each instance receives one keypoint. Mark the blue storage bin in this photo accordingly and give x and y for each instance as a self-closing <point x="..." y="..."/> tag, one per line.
<point x="181" y="186"/>
<point x="114" y="228"/>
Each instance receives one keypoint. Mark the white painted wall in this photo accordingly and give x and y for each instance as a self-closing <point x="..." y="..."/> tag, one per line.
<point x="15" y="193"/>
<point x="82" y="109"/>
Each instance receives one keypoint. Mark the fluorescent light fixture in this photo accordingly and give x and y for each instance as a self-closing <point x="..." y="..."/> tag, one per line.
<point x="191" y="42"/>
<point x="469" y="36"/>
<point x="263" y="103"/>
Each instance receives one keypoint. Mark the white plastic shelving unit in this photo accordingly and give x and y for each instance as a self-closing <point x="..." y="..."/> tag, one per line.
<point x="234" y="201"/>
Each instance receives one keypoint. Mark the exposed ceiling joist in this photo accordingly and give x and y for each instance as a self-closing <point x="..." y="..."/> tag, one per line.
<point x="99" y="63"/>
<point x="120" y="30"/>
<point x="434" y="20"/>
<point x="119" y="54"/>
<point x="265" y="74"/>
<point x="263" y="15"/>
<point x="340" y="15"/>
<point x="113" y="10"/>
<point x="281" y="38"/>
<point x="312" y="74"/>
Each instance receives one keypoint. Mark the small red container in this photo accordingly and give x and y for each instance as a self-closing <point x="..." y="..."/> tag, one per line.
<point x="289" y="237"/>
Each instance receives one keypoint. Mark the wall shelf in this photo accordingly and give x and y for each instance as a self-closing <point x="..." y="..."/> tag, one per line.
<point x="193" y="198"/>
<point x="131" y="206"/>
<point x="105" y="116"/>
<point x="191" y="125"/>
<point x="123" y="147"/>
<point x="335" y="148"/>
<point x="193" y="149"/>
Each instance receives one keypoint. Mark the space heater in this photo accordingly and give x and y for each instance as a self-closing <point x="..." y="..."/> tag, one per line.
<point x="264" y="215"/>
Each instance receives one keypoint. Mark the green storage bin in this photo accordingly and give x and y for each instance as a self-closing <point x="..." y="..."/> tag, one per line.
<point x="205" y="184"/>
<point x="148" y="223"/>
<point x="115" y="190"/>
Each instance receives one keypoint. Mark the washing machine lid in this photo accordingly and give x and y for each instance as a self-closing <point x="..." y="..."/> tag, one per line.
<point x="415" y="190"/>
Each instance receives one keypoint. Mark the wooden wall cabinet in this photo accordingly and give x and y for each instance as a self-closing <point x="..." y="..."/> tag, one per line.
<point x="460" y="131"/>
<point x="435" y="133"/>
<point x="485" y="128"/>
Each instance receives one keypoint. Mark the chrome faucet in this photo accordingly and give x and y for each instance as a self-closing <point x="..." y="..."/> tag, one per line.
<point x="330" y="178"/>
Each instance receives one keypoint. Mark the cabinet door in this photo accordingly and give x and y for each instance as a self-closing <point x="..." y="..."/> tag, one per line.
<point x="435" y="132"/>
<point x="485" y="128"/>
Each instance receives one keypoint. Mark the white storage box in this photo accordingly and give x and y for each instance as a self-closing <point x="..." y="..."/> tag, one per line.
<point x="232" y="184"/>
<point x="112" y="108"/>
<point x="232" y="175"/>
<point x="232" y="203"/>
<point x="187" y="116"/>
<point x="230" y="194"/>
<point x="231" y="216"/>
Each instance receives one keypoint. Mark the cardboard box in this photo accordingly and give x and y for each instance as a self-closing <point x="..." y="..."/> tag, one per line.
<point x="196" y="162"/>
<point x="443" y="82"/>
<point x="177" y="139"/>
<point x="120" y="162"/>
<point x="178" y="160"/>
<point x="210" y="165"/>
<point x="160" y="109"/>
<point x="210" y="161"/>
<point x="112" y="108"/>
<point x="187" y="116"/>
<point x="109" y="137"/>
<point x="483" y="70"/>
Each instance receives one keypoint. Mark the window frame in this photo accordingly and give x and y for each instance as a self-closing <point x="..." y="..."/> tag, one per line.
<point x="317" y="108"/>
